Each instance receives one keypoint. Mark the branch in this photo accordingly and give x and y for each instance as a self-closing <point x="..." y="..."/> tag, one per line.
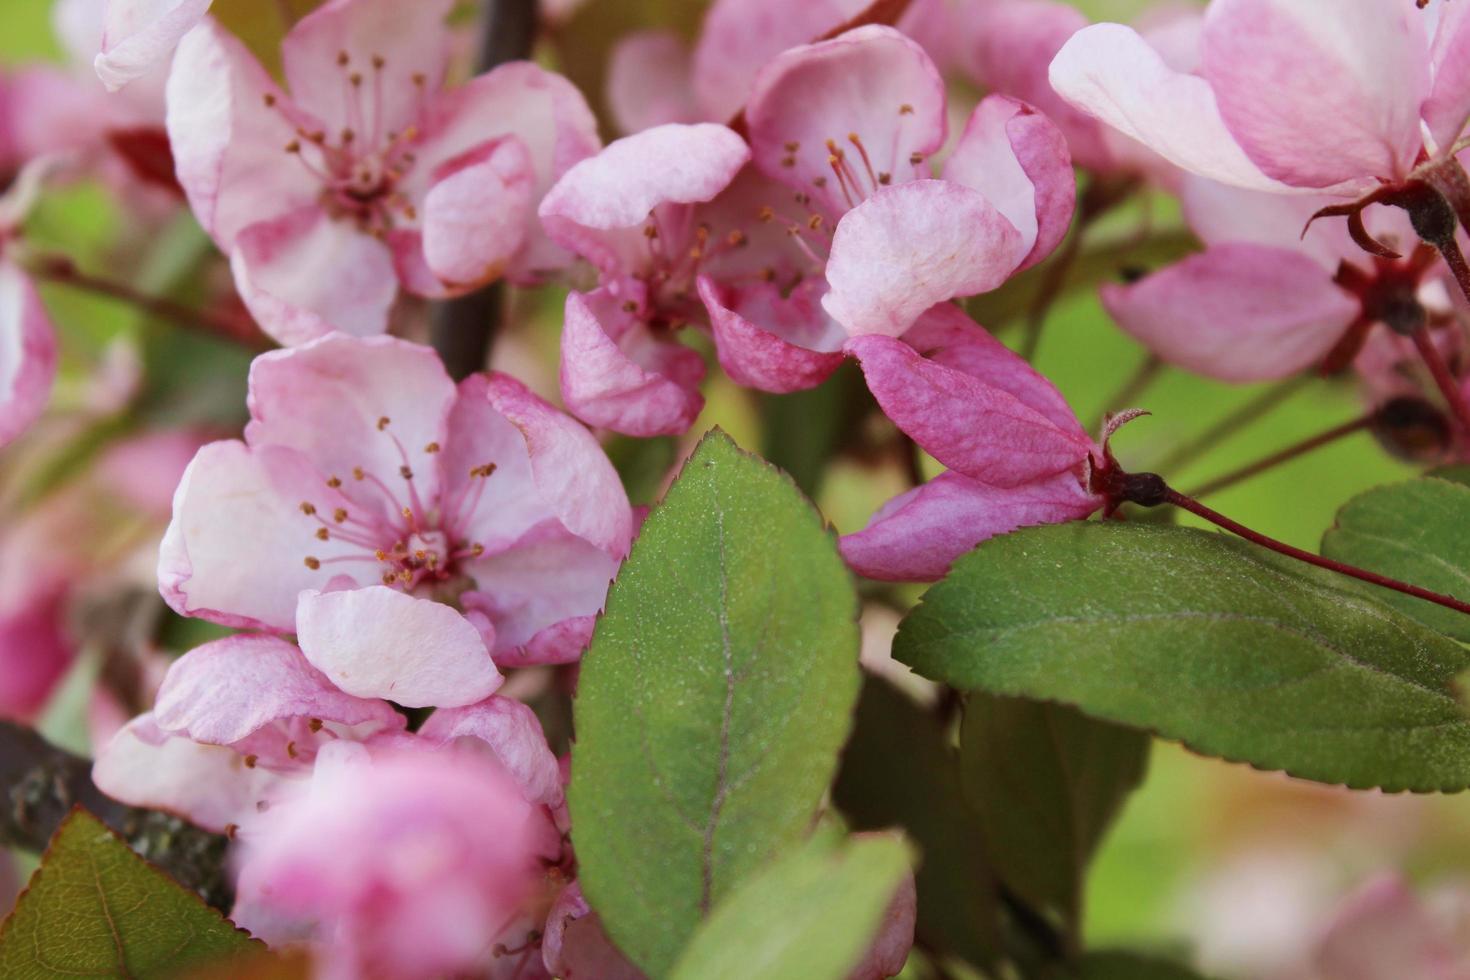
<point x="42" y="783"/>
<point x="463" y="329"/>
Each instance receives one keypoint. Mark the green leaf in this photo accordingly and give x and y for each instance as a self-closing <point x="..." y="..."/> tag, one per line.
<point x="713" y="701"/>
<point x="1455" y="474"/>
<point x="810" y="915"/>
<point x="1235" y="651"/>
<point x="1418" y="532"/>
<point x="901" y="769"/>
<point x="94" y="908"/>
<point x="1046" y="781"/>
<point x="1113" y="965"/>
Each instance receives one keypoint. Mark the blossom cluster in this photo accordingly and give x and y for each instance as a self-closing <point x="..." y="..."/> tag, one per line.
<point x="393" y="559"/>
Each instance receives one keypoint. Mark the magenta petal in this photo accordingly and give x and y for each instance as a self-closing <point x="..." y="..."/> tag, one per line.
<point x="27" y="353"/>
<point x="971" y="425"/>
<point x="574" y="944"/>
<point x="209" y="785"/>
<point x="890" y="948"/>
<point x="477" y="214"/>
<point x="873" y="83"/>
<point x="1110" y="72"/>
<point x="911" y="246"/>
<point x="228" y="145"/>
<point x="949" y="338"/>
<point x="917" y="535"/>
<point x="411" y="39"/>
<point x="513" y="735"/>
<point x="1018" y="159"/>
<point x="1236" y="312"/>
<point x="1316" y="107"/>
<point x="600" y="207"/>
<point x="772" y="342"/>
<point x="380" y="643"/>
<point x="572" y="474"/>
<point x="739" y="36"/>
<point x="615" y="374"/>
<point x="303" y="275"/>
<point x="648" y="81"/>
<point x="139" y="35"/>
<point x="224" y="691"/>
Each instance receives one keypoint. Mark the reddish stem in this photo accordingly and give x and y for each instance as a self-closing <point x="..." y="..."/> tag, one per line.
<point x="62" y="270"/>
<point x="1284" y="456"/>
<point x="1198" y="509"/>
<point x="1444" y="378"/>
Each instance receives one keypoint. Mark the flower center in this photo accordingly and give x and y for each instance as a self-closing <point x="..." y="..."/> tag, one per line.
<point x="416" y="540"/>
<point x="361" y="165"/>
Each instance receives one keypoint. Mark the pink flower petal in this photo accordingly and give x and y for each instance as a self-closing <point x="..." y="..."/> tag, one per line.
<point x="773" y="342"/>
<point x="1015" y="157"/>
<point x="513" y="735"/>
<point x="1015" y="43"/>
<point x="235" y="550"/>
<point x="411" y="40"/>
<point x="575" y="946"/>
<point x="911" y="246"/>
<point x="377" y="642"/>
<point x="571" y="472"/>
<point x="225" y="691"/>
<point x="740" y="36"/>
<point x="303" y="275"/>
<point x="972" y="425"/>
<point x="1110" y="72"/>
<point x="1320" y="92"/>
<point x="208" y="785"/>
<point x="478" y="213"/>
<point x="600" y="207"/>
<point x="917" y="535"/>
<point x="616" y="374"/>
<point x="890" y="949"/>
<point x="229" y="146"/>
<point x="648" y="81"/>
<point x="139" y="35"/>
<point x="541" y="109"/>
<point x="327" y="400"/>
<point x="949" y="338"/>
<point x="1448" y="108"/>
<point x="36" y="651"/>
<point x="872" y="83"/>
<point x="550" y="577"/>
<point x="1223" y="215"/>
<point x="1236" y="312"/>
<point x="27" y="353"/>
<point x="1382" y="931"/>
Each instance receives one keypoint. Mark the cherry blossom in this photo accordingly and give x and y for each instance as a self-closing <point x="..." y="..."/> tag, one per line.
<point x="139" y="35"/>
<point x="1319" y="95"/>
<point x="364" y="468"/>
<point x="367" y="176"/>
<point x="1264" y="300"/>
<point x="1016" y="453"/>
<point x="400" y="863"/>
<point x="27" y="338"/>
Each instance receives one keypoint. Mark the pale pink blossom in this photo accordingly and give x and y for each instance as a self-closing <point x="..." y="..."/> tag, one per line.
<point x="367" y="176"/>
<point x="140" y="35"/>
<point x="365" y="468"/>
<point x="1330" y="95"/>
<point x="1016" y="453"/>
<point x="401" y="863"/>
<point x="1264" y="300"/>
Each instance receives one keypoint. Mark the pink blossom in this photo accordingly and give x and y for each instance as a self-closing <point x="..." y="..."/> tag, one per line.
<point x="575" y="946"/>
<point x="364" y="468"/>
<point x="1016" y="453"/>
<point x="400" y="863"/>
<point x="367" y="176"/>
<point x="1264" y="301"/>
<point x="836" y="228"/>
<point x="139" y="35"/>
<point x="1383" y="931"/>
<point x="1335" y="95"/>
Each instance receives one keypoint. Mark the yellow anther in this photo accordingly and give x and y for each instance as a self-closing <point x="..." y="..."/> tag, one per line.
<point x="357" y="473"/>
<point x="405" y="472"/>
<point x="307" y="508"/>
<point x="315" y="724"/>
<point x="382" y="422"/>
<point x="250" y="761"/>
<point x="334" y="482"/>
<point x="322" y="534"/>
<point x="339" y="515"/>
<point x="432" y="447"/>
<point x="905" y="110"/>
<point x="312" y="563"/>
